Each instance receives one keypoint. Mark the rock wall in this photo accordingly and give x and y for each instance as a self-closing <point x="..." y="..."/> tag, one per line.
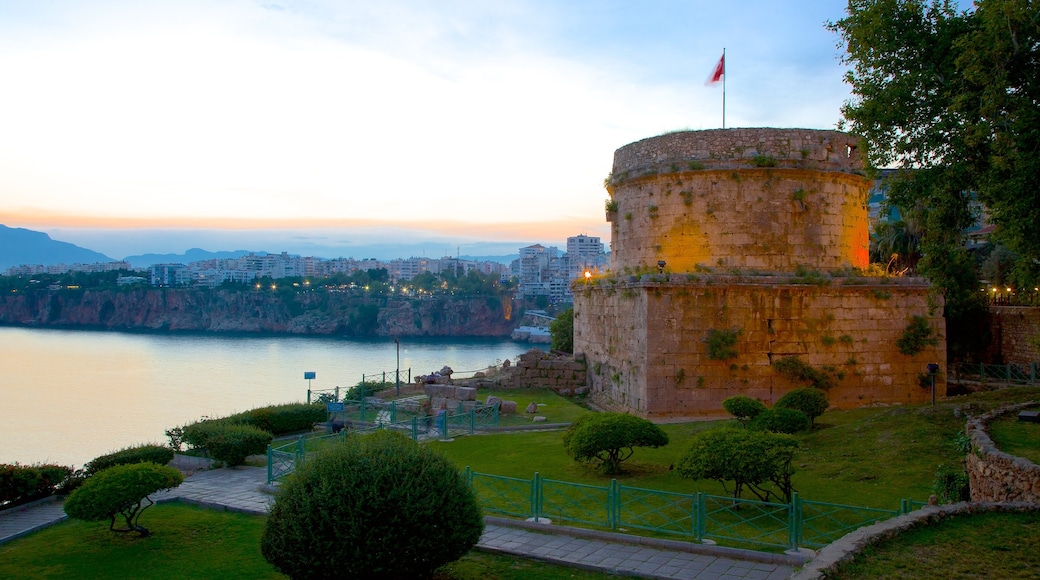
<point x="648" y="351"/>
<point x="1016" y="334"/>
<point x="313" y="313"/>
<point x="767" y="199"/>
<point x="995" y="475"/>
<point x="537" y="369"/>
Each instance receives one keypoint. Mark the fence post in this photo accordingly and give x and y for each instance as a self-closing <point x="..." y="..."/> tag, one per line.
<point x="393" y="411"/>
<point x="337" y="394"/>
<point x="536" y="488"/>
<point x="496" y="414"/>
<point x="270" y="465"/>
<point x="794" y="521"/>
<point x="415" y="428"/>
<point x="701" y="516"/>
<point x="472" y="419"/>
<point x="409" y="375"/>
<point x="308" y="396"/>
<point x="301" y="450"/>
<point x="614" y="504"/>
<point x="469" y="476"/>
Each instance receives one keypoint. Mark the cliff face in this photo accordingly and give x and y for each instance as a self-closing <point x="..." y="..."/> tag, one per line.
<point x="319" y="313"/>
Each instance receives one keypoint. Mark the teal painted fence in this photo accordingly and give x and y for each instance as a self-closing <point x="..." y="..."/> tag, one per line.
<point x="695" y="516"/>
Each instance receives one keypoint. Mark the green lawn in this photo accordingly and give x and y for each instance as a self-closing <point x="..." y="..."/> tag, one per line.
<point x="192" y="542"/>
<point x="990" y="545"/>
<point x="1016" y="437"/>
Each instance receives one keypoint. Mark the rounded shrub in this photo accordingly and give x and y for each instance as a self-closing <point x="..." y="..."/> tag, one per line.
<point x="233" y="443"/>
<point x="780" y="421"/>
<point x="811" y="401"/>
<point x="121" y="491"/>
<point x="610" y="438"/>
<point x="371" y="506"/>
<point x="744" y="408"/>
<point x="22" y="483"/>
<point x="158" y="454"/>
<point x="282" y="419"/>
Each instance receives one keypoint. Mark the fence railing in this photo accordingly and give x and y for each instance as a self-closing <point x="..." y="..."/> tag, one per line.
<point x="696" y="516"/>
<point x="395" y="377"/>
<point x="371" y="414"/>
<point x="1002" y="374"/>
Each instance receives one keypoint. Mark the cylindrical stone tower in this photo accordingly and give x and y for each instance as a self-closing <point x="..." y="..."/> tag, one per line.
<point x="767" y="199"/>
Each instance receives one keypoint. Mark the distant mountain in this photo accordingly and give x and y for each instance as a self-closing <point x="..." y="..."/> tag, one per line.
<point x="21" y="246"/>
<point x="192" y="255"/>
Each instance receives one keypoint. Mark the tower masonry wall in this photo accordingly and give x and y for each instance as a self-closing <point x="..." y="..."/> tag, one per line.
<point x="647" y="341"/>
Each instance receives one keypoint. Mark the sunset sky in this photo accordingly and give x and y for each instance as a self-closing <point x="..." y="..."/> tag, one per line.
<point x="149" y="126"/>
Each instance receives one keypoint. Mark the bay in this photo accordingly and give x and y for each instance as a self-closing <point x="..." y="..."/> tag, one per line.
<point x="67" y="396"/>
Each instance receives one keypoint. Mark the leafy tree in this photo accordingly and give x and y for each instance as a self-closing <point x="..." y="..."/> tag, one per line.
<point x="120" y="490"/>
<point x="610" y="438"/>
<point x="744" y="408"/>
<point x="158" y="454"/>
<point x="811" y="401"/>
<point x="951" y="99"/>
<point x="562" y="331"/>
<point x="372" y="506"/>
<point x="750" y="459"/>
<point x="780" y="420"/>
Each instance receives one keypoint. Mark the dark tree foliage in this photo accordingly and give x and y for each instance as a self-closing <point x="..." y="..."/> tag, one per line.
<point x="158" y="454"/>
<point x="610" y="438"/>
<point x="121" y="491"/>
<point x="561" y="331"/>
<point x="952" y="99"/>
<point x="750" y="459"/>
<point x="811" y="401"/>
<point x="744" y="408"/>
<point x="780" y="420"/>
<point x="372" y="506"/>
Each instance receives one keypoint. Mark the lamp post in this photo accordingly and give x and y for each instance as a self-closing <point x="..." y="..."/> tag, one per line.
<point x="398" y="343"/>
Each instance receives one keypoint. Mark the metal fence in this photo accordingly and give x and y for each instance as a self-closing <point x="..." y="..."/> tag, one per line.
<point x="368" y="415"/>
<point x="696" y="516"/>
<point x="997" y="374"/>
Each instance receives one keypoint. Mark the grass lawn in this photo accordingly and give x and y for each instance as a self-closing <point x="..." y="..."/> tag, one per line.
<point x="193" y="542"/>
<point x="1016" y="437"/>
<point x="990" y="545"/>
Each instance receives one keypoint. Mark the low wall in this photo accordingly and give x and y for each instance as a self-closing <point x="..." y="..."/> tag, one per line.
<point x="536" y="369"/>
<point x="995" y="475"/>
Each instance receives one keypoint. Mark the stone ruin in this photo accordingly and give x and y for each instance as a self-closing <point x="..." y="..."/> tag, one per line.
<point x="731" y="250"/>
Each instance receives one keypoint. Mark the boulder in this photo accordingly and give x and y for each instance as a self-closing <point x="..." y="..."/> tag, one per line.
<point x="492" y="400"/>
<point x="507" y="408"/>
<point x="532" y="409"/>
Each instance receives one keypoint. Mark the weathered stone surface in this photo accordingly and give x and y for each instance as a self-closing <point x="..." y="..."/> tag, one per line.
<point x="995" y="475"/>
<point x="531" y="408"/>
<point x="492" y="400"/>
<point x="508" y="408"/>
<point x="465" y="393"/>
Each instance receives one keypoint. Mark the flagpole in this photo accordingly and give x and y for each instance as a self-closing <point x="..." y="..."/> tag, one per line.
<point x="724" y="87"/>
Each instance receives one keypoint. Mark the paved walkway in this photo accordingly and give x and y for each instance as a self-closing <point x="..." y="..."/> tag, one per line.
<point x="241" y="489"/>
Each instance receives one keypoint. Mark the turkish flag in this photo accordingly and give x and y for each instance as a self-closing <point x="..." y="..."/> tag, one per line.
<point x="720" y="69"/>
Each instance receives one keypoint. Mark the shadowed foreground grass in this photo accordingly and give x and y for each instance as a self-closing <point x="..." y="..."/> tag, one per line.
<point x="192" y="542"/>
<point x="990" y="545"/>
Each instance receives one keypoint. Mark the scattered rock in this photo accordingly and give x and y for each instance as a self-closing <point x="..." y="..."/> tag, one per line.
<point x="532" y="409"/>
<point x="539" y="419"/>
<point x="492" y="400"/>
<point x="507" y="408"/>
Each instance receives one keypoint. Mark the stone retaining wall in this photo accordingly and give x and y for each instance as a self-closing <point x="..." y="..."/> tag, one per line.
<point x="995" y="475"/>
<point x="537" y="369"/>
<point x="846" y="548"/>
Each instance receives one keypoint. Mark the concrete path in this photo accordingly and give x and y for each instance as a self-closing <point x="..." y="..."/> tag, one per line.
<point x="241" y="489"/>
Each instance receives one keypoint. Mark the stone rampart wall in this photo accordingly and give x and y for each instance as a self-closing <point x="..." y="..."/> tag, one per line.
<point x="1016" y="331"/>
<point x="646" y="341"/>
<point x="537" y="369"/>
<point x="995" y="475"/>
<point x="796" y="148"/>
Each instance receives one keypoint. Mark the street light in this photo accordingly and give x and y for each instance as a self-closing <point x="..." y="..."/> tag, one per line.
<point x="933" y="368"/>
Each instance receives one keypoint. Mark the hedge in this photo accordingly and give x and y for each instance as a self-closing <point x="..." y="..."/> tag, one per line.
<point x="22" y="483"/>
<point x="153" y="453"/>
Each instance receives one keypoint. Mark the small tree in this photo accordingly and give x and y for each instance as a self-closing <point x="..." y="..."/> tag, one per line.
<point x="780" y="420"/>
<point x="372" y="506"/>
<point x="561" y="331"/>
<point x="813" y="402"/>
<point x="120" y="490"/>
<point x="750" y="459"/>
<point x="610" y="438"/>
<point x="744" y="408"/>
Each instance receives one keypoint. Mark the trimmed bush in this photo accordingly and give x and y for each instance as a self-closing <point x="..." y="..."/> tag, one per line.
<point x="282" y="419"/>
<point x="196" y="435"/>
<point x="780" y="421"/>
<point x="22" y="483"/>
<point x="233" y="443"/>
<point x="744" y="408"/>
<point x="158" y="454"/>
<point x="121" y="491"/>
<point x="610" y="438"/>
<point x="750" y="459"/>
<point x="371" y="506"/>
<point x="811" y="401"/>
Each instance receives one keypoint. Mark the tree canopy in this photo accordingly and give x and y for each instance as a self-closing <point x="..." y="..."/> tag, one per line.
<point x="952" y="100"/>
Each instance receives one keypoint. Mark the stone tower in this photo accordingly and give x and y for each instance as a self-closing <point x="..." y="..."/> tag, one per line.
<point x="732" y="250"/>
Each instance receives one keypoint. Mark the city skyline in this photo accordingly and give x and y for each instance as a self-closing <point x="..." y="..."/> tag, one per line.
<point x="139" y="128"/>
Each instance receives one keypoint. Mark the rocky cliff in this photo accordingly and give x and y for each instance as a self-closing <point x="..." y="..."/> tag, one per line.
<point x="318" y="313"/>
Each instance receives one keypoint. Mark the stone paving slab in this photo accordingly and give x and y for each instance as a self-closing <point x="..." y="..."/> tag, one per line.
<point x="241" y="489"/>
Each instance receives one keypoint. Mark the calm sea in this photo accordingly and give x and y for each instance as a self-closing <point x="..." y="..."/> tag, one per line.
<point x="67" y="396"/>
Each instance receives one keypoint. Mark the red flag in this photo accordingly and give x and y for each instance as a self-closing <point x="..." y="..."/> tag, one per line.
<point x="720" y="69"/>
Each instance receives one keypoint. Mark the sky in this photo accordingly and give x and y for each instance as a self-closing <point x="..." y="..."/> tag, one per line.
<point x="329" y="128"/>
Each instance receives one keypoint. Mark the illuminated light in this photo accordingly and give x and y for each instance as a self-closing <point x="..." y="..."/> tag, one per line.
<point x="273" y="287"/>
<point x="1009" y="289"/>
